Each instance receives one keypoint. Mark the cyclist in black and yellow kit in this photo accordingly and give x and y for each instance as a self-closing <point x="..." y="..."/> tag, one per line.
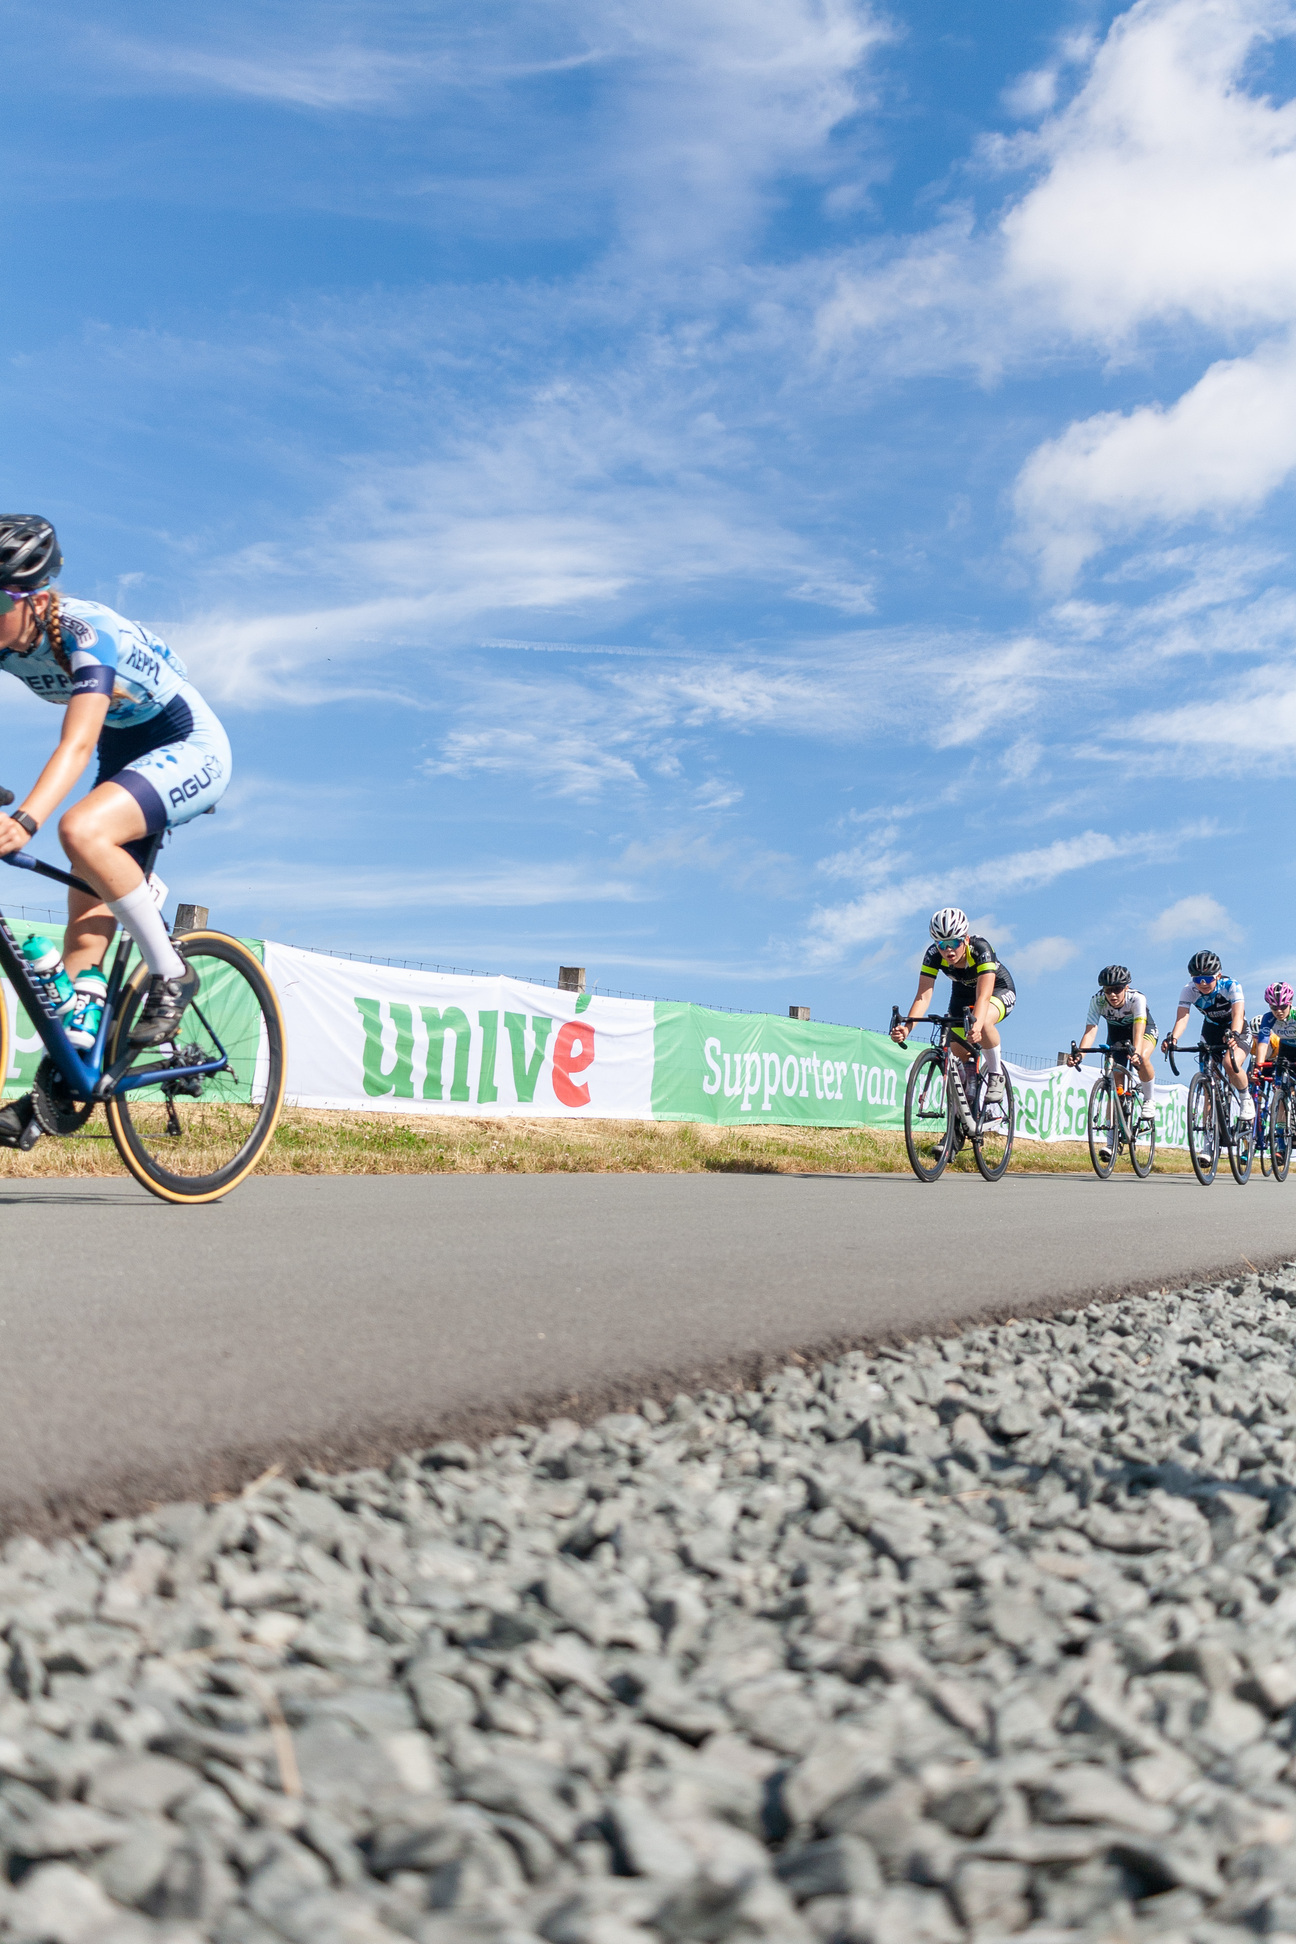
<point x="982" y="988"/>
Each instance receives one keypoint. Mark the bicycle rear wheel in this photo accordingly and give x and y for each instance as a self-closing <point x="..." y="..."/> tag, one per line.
<point x="1103" y="1126"/>
<point x="1280" y="1131"/>
<point x="1142" y="1146"/>
<point x="4" y="1043"/>
<point x="928" y="1119"/>
<point x="194" y="1140"/>
<point x="1241" y="1142"/>
<point x="993" y="1139"/>
<point x="1203" y="1129"/>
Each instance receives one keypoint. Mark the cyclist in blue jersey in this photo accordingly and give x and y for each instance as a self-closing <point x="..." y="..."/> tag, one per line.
<point x="1222" y="1005"/>
<point x="1275" y="1036"/>
<point x="163" y="758"/>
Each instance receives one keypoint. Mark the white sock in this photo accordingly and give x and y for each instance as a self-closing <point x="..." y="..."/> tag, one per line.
<point x="138" y="915"/>
<point x="1145" y="1088"/>
<point x="993" y="1058"/>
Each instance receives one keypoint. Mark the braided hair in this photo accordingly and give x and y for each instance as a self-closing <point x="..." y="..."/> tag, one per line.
<point x="53" y="631"/>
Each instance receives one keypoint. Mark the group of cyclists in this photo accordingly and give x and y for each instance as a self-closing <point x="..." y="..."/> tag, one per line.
<point x="983" y="994"/>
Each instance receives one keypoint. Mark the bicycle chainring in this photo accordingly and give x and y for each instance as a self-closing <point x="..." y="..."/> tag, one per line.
<point x="55" y="1110"/>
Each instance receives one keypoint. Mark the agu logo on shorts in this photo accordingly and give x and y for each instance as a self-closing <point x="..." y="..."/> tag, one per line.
<point x="193" y="786"/>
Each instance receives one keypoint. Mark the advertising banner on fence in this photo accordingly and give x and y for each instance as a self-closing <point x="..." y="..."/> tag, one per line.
<point x="400" y="1041"/>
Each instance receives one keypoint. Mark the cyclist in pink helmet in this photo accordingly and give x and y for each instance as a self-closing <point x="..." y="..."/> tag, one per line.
<point x="1275" y="1038"/>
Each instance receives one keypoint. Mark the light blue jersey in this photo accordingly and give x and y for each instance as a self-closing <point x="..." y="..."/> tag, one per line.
<point x="1282" y="1031"/>
<point x="109" y="656"/>
<point x="160" y="742"/>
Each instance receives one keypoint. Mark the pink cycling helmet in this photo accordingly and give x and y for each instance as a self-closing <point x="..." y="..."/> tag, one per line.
<point x="1279" y="995"/>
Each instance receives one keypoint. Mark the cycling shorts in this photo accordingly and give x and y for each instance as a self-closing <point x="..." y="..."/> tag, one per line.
<point x="1213" y="1031"/>
<point x="1001" y="1004"/>
<point x="1120" y="1032"/>
<point x="176" y="766"/>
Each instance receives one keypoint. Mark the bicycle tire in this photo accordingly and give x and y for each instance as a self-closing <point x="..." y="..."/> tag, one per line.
<point x="1203" y="1129"/>
<point x="1103" y="1130"/>
<point x="4" y="1044"/>
<point x="1280" y="1132"/>
<point x="1241" y="1144"/>
<point x="1264" y="1129"/>
<point x="927" y="1162"/>
<point x="1143" y="1137"/>
<point x="992" y="1166"/>
<point x="236" y="1007"/>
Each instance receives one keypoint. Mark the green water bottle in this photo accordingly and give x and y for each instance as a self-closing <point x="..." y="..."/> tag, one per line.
<point x="45" y="962"/>
<point x="91" y="991"/>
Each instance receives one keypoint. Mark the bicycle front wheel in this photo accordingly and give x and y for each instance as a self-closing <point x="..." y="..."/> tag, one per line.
<point x="1266" y="1103"/>
<point x="993" y="1140"/>
<point x="928" y="1117"/>
<point x="1103" y="1126"/>
<point x="193" y="1140"/>
<point x="1203" y="1129"/>
<point x="1142" y="1142"/>
<point x="1280" y="1131"/>
<point x="1241" y="1142"/>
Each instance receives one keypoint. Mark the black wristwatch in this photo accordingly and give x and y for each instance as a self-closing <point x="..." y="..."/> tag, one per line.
<point x="29" y="824"/>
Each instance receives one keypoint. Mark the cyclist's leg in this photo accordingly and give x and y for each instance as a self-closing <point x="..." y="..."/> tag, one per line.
<point x="1001" y="1005"/>
<point x="96" y="834"/>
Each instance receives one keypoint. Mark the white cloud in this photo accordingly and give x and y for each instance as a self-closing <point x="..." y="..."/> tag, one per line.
<point x="1199" y="917"/>
<point x="1220" y="450"/>
<point x="302" y="886"/>
<point x="1043" y="955"/>
<point x="887" y="906"/>
<point x="1169" y="182"/>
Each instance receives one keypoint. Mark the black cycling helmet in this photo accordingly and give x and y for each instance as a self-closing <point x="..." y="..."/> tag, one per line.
<point x="1204" y="965"/>
<point x="1113" y="977"/>
<point x="29" y="552"/>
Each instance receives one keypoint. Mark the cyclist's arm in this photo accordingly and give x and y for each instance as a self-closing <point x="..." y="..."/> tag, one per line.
<point x="1177" y="1029"/>
<point x="918" y="1005"/>
<point x="82" y="722"/>
<point x="1239" y="1016"/>
<point x="1085" y="1041"/>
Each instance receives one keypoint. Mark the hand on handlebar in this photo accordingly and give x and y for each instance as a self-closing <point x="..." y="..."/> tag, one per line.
<point x="1168" y="1043"/>
<point x="12" y="836"/>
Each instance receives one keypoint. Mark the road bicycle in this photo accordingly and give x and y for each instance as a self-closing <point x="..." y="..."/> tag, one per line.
<point x="1214" y="1117"/>
<point x="190" y="1119"/>
<point x="1116" y="1116"/>
<point x="1275" y="1121"/>
<point x="945" y="1105"/>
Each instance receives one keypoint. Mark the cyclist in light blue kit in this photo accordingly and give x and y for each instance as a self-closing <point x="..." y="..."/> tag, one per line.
<point x="1222" y="1005"/>
<point x="163" y="758"/>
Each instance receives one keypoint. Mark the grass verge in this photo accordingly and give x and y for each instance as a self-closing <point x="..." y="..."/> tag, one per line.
<point x="310" y="1141"/>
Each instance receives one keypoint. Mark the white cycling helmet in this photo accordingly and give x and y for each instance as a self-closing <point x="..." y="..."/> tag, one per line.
<point x="949" y="922"/>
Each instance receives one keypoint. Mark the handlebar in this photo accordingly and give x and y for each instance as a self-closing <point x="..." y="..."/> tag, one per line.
<point x="922" y="1019"/>
<point x="6" y="796"/>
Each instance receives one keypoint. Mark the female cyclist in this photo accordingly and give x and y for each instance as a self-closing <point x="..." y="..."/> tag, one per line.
<point x="163" y="758"/>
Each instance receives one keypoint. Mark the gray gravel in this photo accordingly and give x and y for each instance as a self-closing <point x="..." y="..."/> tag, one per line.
<point x="980" y="1638"/>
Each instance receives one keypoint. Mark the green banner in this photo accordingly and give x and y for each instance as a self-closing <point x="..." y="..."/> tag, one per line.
<point x="733" y="1067"/>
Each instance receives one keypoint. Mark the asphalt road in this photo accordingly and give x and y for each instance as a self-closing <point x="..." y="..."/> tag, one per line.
<point x="150" y="1352"/>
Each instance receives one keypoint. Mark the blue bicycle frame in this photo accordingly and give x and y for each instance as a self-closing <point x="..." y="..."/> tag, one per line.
<point x="84" y="1074"/>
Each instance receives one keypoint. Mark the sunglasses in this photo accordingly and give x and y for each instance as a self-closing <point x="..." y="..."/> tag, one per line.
<point x="949" y="947"/>
<point x="10" y="598"/>
<point x="1205" y="982"/>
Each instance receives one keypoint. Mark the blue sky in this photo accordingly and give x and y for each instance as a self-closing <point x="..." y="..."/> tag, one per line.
<point x="686" y="490"/>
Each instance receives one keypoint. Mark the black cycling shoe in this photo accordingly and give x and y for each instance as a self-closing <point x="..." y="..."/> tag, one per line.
<point x="164" y="1008"/>
<point x="19" y="1127"/>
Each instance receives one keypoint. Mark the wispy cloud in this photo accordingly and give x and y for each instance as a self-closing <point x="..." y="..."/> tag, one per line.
<point x="1195" y="917"/>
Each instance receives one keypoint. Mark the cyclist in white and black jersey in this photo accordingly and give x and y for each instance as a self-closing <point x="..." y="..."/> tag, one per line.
<point x="1222" y="1005"/>
<point x="1124" y="1012"/>
<point x="163" y="758"/>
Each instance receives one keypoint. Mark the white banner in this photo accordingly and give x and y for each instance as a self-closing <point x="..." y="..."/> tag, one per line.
<point x="1053" y="1105"/>
<point x="381" y="1037"/>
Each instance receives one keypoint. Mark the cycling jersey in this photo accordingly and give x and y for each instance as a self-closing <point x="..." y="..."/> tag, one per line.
<point x="963" y="978"/>
<point x="1120" y="1020"/>
<point x="1216" y="1006"/>
<point x="1277" y="1035"/>
<point x="160" y="741"/>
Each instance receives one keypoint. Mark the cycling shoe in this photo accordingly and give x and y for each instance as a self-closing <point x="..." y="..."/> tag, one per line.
<point x="19" y="1127"/>
<point x="164" y="1008"/>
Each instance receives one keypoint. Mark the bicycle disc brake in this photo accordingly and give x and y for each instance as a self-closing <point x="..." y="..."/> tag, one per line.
<point x="52" y="1103"/>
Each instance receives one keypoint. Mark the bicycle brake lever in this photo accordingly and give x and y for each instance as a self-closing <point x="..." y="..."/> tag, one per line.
<point x="6" y="796"/>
